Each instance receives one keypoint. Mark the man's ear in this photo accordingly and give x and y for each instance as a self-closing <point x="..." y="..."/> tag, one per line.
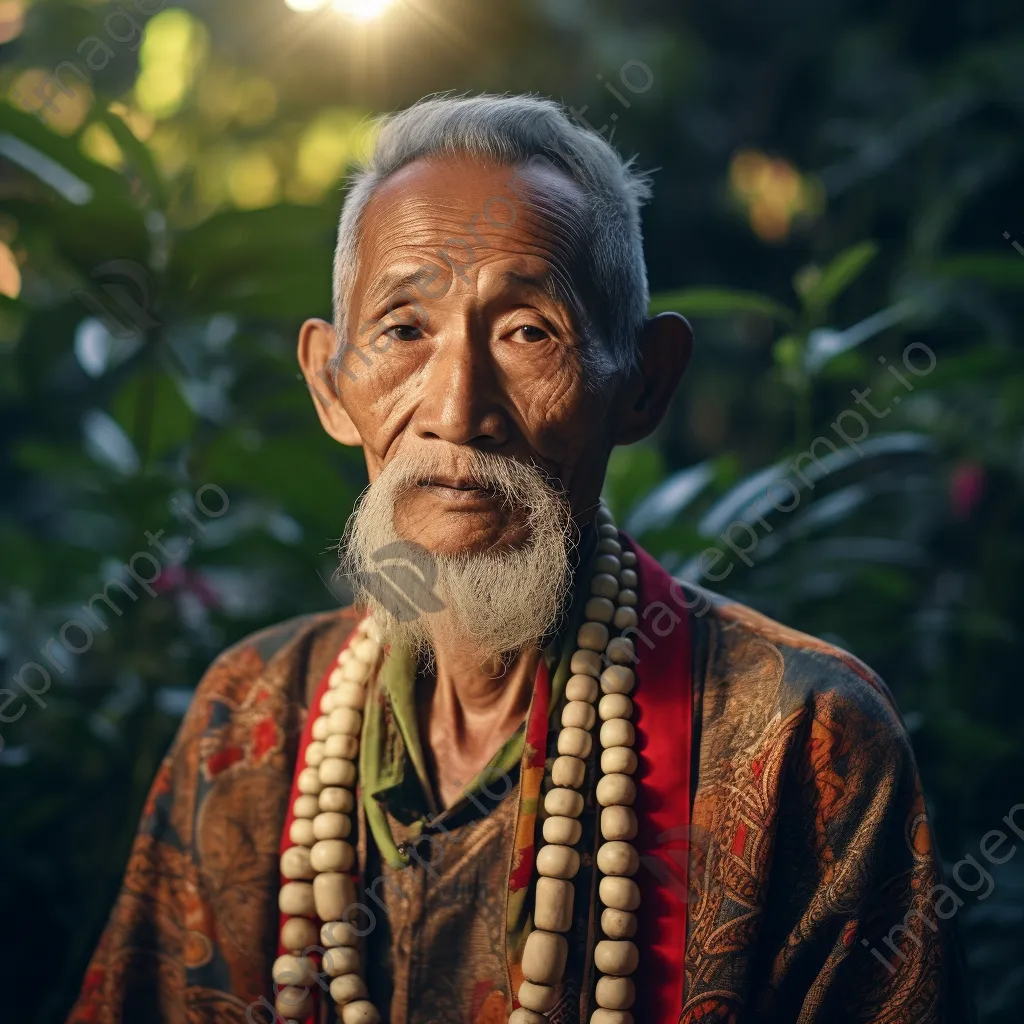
<point x="316" y="347"/>
<point x="665" y="347"/>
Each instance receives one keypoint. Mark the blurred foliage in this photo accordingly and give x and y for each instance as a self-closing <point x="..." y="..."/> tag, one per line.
<point x="834" y="193"/>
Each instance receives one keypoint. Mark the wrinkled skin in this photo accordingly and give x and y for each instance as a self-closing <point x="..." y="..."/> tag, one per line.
<point x="477" y="350"/>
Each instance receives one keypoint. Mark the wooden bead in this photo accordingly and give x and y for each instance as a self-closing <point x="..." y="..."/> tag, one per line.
<point x="331" y="825"/>
<point x="603" y="516"/>
<point x="347" y="721"/>
<point x="306" y="806"/>
<point x="525" y="1016"/>
<point x="581" y="687"/>
<point x="562" y="831"/>
<point x="309" y="781"/>
<point x="338" y="933"/>
<point x="566" y="802"/>
<point x="366" y="650"/>
<point x="578" y="714"/>
<point x="298" y="933"/>
<point x="320" y="729"/>
<point x="617" y="732"/>
<point x="609" y="530"/>
<point x="350" y="695"/>
<point x="340" y="745"/>
<point x="348" y="988"/>
<point x="628" y="598"/>
<point x="618" y="924"/>
<point x="544" y="957"/>
<point x="295" y="863"/>
<point x="558" y="862"/>
<point x="604" y="584"/>
<point x="340" y="960"/>
<point x="553" y="904"/>
<point x="616" y="857"/>
<point x="568" y="771"/>
<point x="615" y="993"/>
<point x="617" y="679"/>
<point x="616" y="956"/>
<point x="336" y="677"/>
<point x="540" y="998"/>
<point x="615" y="789"/>
<point x="336" y="771"/>
<point x="296" y="899"/>
<point x="599" y="609"/>
<point x="602" y="1016"/>
<point x="333" y="893"/>
<point x="628" y="558"/>
<point x="625" y="618"/>
<point x="609" y="546"/>
<point x="618" y="760"/>
<point x="619" y="893"/>
<point x="615" y="705"/>
<point x="294" y="1003"/>
<point x="609" y="564"/>
<point x="575" y="742"/>
<point x="586" y="663"/>
<point x="335" y="798"/>
<point x="332" y="855"/>
<point x="621" y="651"/>
<point x="618" y="823"/>
<point x="592" y="636"/>
<point x="628" y="579"/>
<point x="327" y="703"/>
<point x="293" y="970"/>
<point x="354" y="671"/>
<point x="362" y="1011"/>
<point x="314" y="753"/>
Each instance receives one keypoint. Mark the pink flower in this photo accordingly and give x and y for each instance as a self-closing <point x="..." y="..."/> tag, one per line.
<point x="177" y="577"/>
<point x="966" y="486"/>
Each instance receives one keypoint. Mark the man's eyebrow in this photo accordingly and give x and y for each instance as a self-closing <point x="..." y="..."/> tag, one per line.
<point x="392" y="281"/>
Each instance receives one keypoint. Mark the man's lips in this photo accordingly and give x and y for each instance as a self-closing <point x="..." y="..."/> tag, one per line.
<point x="461" y="483"/>
<point x="459" y="490"/>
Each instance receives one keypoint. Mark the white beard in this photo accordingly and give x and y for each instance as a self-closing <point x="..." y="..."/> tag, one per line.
<point x="493" y="603"/>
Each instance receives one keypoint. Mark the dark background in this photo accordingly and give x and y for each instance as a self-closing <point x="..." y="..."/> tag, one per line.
<point x="818" y="167"/>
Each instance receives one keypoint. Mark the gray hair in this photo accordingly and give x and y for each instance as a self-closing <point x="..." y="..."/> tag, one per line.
<point x="513" y="131"/>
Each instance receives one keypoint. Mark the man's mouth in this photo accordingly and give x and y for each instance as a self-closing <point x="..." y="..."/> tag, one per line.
<point x="453" y="483"/>
<point x="457" y="488"/>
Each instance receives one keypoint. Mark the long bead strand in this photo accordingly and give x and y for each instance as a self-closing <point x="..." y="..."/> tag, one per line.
<point x="544" y="956"/>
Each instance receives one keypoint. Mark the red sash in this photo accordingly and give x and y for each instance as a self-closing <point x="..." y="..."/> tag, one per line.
<point x="663" y="702"/>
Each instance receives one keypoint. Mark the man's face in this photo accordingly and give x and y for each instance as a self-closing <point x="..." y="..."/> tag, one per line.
<point x="467" y="346"/>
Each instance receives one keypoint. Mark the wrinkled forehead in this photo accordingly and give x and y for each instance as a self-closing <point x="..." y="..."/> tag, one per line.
<point x="459" y="217"/>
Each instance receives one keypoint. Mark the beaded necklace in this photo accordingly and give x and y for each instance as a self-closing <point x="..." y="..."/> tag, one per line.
<point x="318" y="865"/>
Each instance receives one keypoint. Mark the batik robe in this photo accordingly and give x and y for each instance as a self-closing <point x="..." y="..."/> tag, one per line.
<point x="788" y="867"/>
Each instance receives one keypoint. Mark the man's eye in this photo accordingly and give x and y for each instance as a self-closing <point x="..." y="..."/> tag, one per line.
<point x="404" y="332"/>
<point x="530" y="333"/>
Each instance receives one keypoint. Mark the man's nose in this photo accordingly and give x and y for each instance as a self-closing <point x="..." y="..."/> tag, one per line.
<point x="462" y="399"/>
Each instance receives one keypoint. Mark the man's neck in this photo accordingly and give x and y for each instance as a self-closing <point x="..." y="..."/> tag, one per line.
<point x="468" y="708"/>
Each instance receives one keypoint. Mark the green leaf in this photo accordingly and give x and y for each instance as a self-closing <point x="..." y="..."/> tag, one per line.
<point x="996" y="270"/>
<point x="719" y="302"/>
<point x="788" y="352"/>
<point x="819" y="291"/>
<point x="138" y="155"/>
<point x="633" y="470"/>
<point x="152" y="412"/>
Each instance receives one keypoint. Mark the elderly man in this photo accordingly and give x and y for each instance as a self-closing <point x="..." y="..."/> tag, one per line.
<point x="527" y="776"/>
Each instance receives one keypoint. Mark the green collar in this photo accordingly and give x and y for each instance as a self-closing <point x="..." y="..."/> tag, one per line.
<point x="391" y="743"/>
